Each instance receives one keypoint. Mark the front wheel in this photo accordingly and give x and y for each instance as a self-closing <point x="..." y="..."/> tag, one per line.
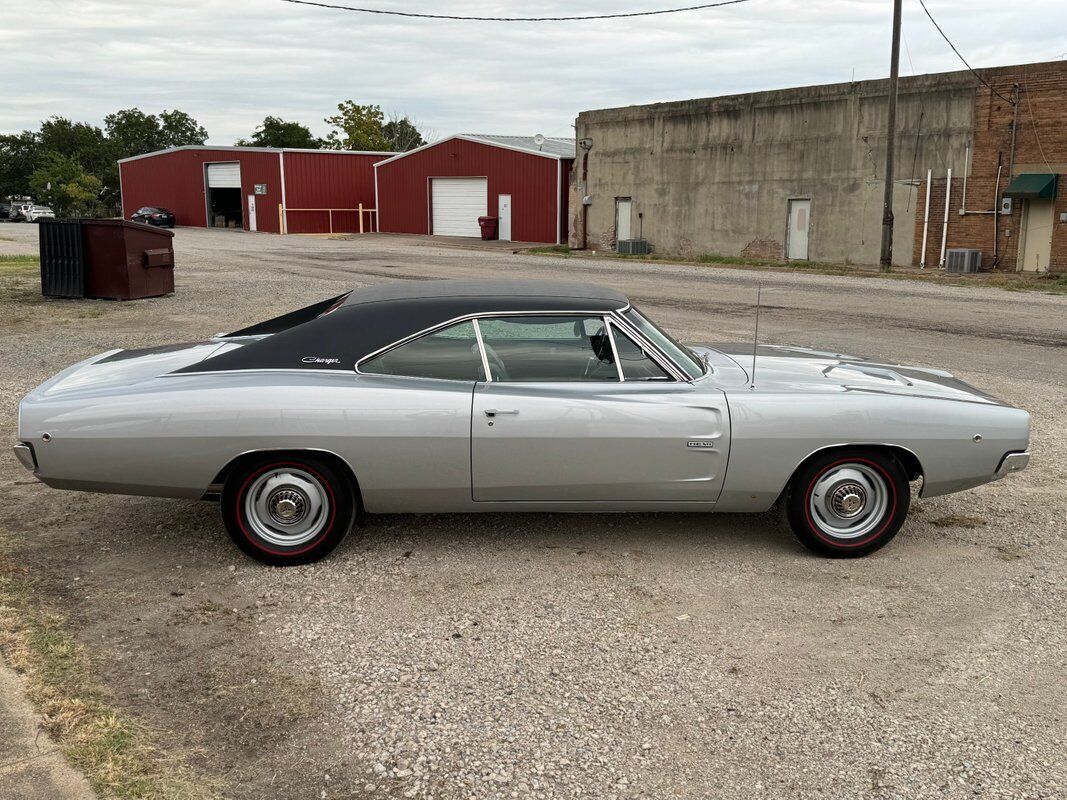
<point x="848" y="503"/>
<point x="287" y="510"/>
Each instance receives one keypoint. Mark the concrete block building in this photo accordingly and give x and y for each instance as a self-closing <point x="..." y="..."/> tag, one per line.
<point x="798" y="173"/>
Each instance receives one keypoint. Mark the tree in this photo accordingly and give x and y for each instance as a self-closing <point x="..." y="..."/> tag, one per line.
<point x="61" y="182"/>
<point x="359" y="127"/>
<point x="276" y="132"/>
<point x="133" y="132"/>
<point x="402" y="134"/>
<point x="18" y="151"/>
<point x="178" y="129"/>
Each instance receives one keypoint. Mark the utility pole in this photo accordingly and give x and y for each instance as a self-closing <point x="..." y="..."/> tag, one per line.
<point x="890" y="145"/>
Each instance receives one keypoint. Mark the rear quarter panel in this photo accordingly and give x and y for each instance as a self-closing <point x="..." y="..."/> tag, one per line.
<point x="170" y="437"/>
<point x="773" y="433"/>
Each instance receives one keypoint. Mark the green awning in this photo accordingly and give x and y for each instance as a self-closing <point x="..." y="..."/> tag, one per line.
<point x="1033" y="186"/>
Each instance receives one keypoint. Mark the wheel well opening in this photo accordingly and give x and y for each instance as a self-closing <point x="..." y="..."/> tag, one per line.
<point x="333" y="459"/>
<point x="907" y="459"/>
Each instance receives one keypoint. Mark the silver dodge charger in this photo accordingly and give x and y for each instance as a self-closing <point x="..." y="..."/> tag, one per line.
<point x="459" y="396"/>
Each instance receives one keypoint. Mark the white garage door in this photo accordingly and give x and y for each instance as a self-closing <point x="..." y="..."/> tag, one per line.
<point x="457" y="204"/>
<point x="224" y="176"/>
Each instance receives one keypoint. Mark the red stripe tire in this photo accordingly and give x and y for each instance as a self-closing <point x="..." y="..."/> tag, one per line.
<point x="288" y="509"/>
<point x="848" y="503"/>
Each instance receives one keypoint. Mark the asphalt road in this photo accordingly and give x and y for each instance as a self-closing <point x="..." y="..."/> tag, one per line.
<point x="596" y="656"/>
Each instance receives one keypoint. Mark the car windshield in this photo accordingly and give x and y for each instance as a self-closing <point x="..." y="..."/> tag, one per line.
<point x="681" y="355"/>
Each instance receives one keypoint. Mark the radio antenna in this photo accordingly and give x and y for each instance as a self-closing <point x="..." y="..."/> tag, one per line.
<point x="755" y="336"/>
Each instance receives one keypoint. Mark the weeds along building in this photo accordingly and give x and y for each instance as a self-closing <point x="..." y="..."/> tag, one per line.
<point x="798" y="173"/>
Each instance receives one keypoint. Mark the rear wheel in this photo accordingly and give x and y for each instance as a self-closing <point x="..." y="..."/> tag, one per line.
<point x="848" y="503"/>
<point x="287" y="510"/>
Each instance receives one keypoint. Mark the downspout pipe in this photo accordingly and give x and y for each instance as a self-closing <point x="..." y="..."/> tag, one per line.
<point x="926" y="220"/>
<point x="966" y="169"/>
<point x="996" y="218"/>
<point x="944" y="228"/>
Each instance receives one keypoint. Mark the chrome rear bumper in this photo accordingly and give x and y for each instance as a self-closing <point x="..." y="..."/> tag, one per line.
<point x="24" y="453"/>
<point x="1012" y="462"/>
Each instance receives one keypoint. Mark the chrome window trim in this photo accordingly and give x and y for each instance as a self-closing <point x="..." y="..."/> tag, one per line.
<point x="485" y="315"/>
<point x="668" y="376"/>
<point x="651" y="349"/>
<point x="685" y="375"/>
<point x="613" y="317"/>
<point x="481" y="350"/>
<point x="614" y="349"/>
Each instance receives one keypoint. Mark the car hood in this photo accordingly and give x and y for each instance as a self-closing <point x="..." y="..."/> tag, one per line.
<point x="800" y="369"/>
<point x="117" y="368"/>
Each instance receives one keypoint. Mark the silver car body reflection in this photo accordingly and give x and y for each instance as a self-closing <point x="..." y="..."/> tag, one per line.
<point x="138" y="422"/>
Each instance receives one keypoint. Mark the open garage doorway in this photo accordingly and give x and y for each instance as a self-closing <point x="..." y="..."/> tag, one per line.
<point x="224" y="202"/>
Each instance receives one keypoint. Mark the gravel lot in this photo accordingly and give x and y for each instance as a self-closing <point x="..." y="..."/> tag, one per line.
<point x="556" y="656"/>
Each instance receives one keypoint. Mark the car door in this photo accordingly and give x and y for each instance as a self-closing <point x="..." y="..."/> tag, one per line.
<point x="556" y="424"/>
<point x="412" y="448"/>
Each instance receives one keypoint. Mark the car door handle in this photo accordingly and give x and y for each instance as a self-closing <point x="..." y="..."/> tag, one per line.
<point x="496" y="412"/>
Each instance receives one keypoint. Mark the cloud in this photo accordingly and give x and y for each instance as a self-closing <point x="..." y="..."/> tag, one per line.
<point x="230" y="64"/>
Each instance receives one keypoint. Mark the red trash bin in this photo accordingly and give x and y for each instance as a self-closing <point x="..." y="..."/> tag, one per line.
<point x="489" y="227"/>
<point x="105" y="258"/>
<point x="127" y="260"/>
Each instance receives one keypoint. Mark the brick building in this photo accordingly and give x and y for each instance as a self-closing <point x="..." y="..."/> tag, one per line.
<point x="798" y="173"/>
<point x="1018" y="151"/>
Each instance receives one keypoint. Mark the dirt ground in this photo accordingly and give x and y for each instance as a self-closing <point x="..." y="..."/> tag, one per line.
<point x="601" y="656"/>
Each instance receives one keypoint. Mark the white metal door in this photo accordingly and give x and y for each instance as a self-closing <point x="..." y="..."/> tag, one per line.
<point x="504" y="212"/>
<point x="224" y="176"/>
<point x="251" y="212"/>
<point x="1036" y="246"/>
<point x="623" y="209"/>
<point x="457" y="203"/>
<point x="596" y="442"/>
<point x="799" y="222"/>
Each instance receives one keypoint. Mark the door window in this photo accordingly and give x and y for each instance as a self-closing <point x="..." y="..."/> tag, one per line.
<point x="546" y="348"/>
<point x="635" y="362"/>
<point x="450" y="354"/>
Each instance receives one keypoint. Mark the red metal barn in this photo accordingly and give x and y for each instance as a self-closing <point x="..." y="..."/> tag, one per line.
<point x="442" y="188"/>
<point x="254" y="188"/>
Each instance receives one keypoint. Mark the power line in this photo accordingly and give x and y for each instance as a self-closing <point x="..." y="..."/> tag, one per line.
<point x="620" y="15"/>
<point x="964" y="60"/>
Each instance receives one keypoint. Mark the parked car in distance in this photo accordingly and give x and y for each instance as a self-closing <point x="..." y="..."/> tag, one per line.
<point x="153" y="215"/>
<point x="37" y="213"/>
<point x="462" y="396"/>
<point x="5" y="210"/>
<point x="18" y="211"/>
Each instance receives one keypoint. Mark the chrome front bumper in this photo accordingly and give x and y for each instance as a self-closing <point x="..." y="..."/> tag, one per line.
<point x="24" y="453"/>
<point x="1012" y="462"/>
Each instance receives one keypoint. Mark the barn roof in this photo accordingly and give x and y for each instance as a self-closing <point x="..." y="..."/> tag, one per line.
<point x="553" y="147"/>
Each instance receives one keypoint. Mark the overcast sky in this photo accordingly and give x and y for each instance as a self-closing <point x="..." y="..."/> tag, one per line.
<point x="230" y="63"/>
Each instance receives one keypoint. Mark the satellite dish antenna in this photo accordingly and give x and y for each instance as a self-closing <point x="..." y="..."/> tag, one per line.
<point x="539" y="140"/>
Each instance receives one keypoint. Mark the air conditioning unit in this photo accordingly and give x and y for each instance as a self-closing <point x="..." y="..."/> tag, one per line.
<point x="633" y="247"/>
<point x="963" y="260"/>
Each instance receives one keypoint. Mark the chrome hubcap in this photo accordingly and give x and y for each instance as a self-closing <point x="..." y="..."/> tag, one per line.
<point x="849" y="500"/>
<point x="287" y="507"/>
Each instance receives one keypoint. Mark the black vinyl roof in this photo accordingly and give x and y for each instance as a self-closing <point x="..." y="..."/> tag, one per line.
<point x="487" y="291"/>
<point x="338" y="332"/>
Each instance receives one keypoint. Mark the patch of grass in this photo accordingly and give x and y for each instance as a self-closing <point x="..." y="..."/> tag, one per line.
<point x="19" y="265"/>
<point x="1052" y="283"/>
<point x="112" y="750"/>
<point x="554" y="250"/>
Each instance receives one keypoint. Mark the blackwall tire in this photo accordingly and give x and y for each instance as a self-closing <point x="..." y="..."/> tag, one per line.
<point x="287" y="510"/>
<point x="848" y="503"/>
